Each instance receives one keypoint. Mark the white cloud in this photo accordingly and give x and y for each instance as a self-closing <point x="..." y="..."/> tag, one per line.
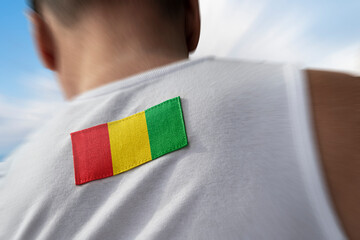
<point x="279" y="41"/>
<point x="224" y="23"/>
<point x="19" y="117"/>
<point x="347" y="59"/>
<point x="254" y="30"/>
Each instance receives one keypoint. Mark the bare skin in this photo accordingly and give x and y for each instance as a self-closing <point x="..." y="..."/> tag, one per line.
<point x="335" y="101"/>
<point x="96" y="51"/>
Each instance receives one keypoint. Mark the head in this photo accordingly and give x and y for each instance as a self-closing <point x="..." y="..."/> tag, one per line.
<point x="70" y="32"/>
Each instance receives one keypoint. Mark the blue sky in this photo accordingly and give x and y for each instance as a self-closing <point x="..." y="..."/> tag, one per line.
<point x="25" y="86"/>
<point x="318" y="34"/>
<point x="17" y="58"/>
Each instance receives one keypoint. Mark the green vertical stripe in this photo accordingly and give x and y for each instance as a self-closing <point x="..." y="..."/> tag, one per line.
<point x="166" y="127"/>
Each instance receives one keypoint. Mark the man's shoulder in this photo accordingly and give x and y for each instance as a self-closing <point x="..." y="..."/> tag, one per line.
<point x="233" y="73"/>
<point x="335" y="101"/>
<point x="223" y="62"/>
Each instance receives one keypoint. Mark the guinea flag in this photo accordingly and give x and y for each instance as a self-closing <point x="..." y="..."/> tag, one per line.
<point x="115" y="147"/>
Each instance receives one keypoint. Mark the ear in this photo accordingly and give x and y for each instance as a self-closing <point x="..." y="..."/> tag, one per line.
<point x="192" y="24"/>
<point x="43" y="39"/>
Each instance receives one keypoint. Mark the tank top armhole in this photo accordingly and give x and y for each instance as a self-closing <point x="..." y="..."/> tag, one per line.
<point x="307" y="152"/>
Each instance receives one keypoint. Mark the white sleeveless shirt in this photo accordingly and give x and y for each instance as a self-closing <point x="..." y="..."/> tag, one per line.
<point x="250" y="171"/>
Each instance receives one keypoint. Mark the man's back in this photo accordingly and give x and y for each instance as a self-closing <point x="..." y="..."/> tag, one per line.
<point x="249" y="171"/>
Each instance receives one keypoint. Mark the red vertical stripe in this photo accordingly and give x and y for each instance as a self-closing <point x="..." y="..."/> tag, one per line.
<point x="92" y="154"/>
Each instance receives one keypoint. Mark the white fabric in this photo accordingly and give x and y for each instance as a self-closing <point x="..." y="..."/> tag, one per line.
<point x="250" y="170"/>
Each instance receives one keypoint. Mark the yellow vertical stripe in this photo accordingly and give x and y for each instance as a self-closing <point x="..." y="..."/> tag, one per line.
<point x="129" y="142"/>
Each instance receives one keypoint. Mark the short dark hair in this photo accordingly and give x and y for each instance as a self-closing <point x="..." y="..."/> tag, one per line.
<point x="68" y="11"/>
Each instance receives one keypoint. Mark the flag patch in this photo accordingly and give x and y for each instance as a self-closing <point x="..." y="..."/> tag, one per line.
<point x="115" y="147"/>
